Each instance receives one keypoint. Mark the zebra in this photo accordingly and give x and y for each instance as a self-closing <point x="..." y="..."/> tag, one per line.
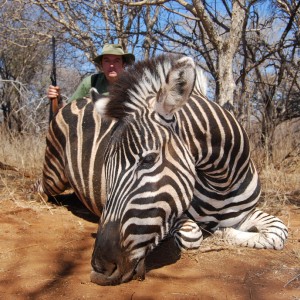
<point x="156" y="158"/>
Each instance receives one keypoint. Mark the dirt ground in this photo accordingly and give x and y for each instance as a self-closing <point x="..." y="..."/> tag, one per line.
<point x="45" y="252"/>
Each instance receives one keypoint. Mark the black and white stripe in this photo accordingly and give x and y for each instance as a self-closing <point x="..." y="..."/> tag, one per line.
<point x="157" y="158"/>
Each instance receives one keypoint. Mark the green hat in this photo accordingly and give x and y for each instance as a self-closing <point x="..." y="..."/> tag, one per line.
<point x="115" y="49"/>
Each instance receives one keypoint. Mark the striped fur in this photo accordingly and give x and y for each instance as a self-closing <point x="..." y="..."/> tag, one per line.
<point x="154" y="159"/>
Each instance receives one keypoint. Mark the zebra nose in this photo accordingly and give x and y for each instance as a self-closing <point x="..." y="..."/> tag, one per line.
<point x="107" y="249"/>
<point x="103" y="267"/>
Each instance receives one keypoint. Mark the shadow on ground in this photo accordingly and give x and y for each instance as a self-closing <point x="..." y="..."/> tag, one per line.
<point x="74" y="205"/>
<point x="166" y="253"/>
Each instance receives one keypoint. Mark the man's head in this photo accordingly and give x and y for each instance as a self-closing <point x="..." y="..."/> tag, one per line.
<point x="112" y="61"/>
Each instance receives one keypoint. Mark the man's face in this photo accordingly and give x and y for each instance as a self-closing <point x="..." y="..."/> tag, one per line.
<point x="112" y="66"/>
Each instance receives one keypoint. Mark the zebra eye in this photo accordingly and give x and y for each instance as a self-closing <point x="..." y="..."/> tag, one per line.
<point x="148" y="161"/>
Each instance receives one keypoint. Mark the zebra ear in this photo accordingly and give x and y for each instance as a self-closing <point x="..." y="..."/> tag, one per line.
<point x="178" y="87"/>
<point x="100" y="102"/>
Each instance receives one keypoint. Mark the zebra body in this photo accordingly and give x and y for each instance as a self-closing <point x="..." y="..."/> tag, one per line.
<point x="157" y="158"/>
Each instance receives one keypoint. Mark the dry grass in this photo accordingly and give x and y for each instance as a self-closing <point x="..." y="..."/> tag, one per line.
<point x="280" y="179"/>
<point x="24" y="152"/>
<point x="280" y="187"/>
<point x="21" y="160"/>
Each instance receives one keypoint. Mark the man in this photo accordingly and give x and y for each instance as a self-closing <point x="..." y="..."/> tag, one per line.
<point x="111" y="62"/>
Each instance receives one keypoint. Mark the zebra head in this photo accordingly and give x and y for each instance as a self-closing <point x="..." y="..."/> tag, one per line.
<point x="150" y="174"/>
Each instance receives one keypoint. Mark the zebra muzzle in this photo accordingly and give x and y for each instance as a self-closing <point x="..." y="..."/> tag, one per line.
<point x="137" y="273"/>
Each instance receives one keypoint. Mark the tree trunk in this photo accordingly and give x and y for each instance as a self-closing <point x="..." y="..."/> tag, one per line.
<point x="226" y="50"/>
<point x="267" y="130"/>
<point x="226" y="80"/>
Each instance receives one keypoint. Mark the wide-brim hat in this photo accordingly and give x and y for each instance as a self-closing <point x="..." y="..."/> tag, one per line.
<point x="115" y="49"/>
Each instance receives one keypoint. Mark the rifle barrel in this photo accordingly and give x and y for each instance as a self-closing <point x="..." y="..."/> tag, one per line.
<point x="53" y="73"/>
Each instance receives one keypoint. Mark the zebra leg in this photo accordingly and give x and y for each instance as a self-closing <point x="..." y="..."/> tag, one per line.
<point x="187" y="234"/>
<point x="258" y="230"/>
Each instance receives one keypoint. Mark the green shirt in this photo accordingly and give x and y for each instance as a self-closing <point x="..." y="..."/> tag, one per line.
<point x="85" y="85"/>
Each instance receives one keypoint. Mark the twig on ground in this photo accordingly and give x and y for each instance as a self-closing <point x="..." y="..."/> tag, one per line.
<point x="211" y="249"/>
<point x="43" y="200"/>
<point x="7" y="167"/>
<point x="294" y="278"/>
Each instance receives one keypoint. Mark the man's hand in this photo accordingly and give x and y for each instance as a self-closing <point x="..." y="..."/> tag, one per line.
<point x="54" y="96"/>
<point x="53" y="92"/>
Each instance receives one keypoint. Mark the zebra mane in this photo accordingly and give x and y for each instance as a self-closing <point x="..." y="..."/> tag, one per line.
<point x="141" y="81"/>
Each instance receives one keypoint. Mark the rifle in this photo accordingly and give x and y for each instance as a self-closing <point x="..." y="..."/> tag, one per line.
<point x="54" y="105"/>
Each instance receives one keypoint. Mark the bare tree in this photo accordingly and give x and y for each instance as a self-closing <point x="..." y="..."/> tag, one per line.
<point x="277" y="78"/>
<point x="25" y="68"/>
<point x="252" y="61"/>
<point x="88" y="25"/>
<point x="198" y="27"/>
<point x="20" y="60"/>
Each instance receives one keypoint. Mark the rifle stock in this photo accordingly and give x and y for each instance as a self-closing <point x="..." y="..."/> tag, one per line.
<point x="53" y="108"/>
